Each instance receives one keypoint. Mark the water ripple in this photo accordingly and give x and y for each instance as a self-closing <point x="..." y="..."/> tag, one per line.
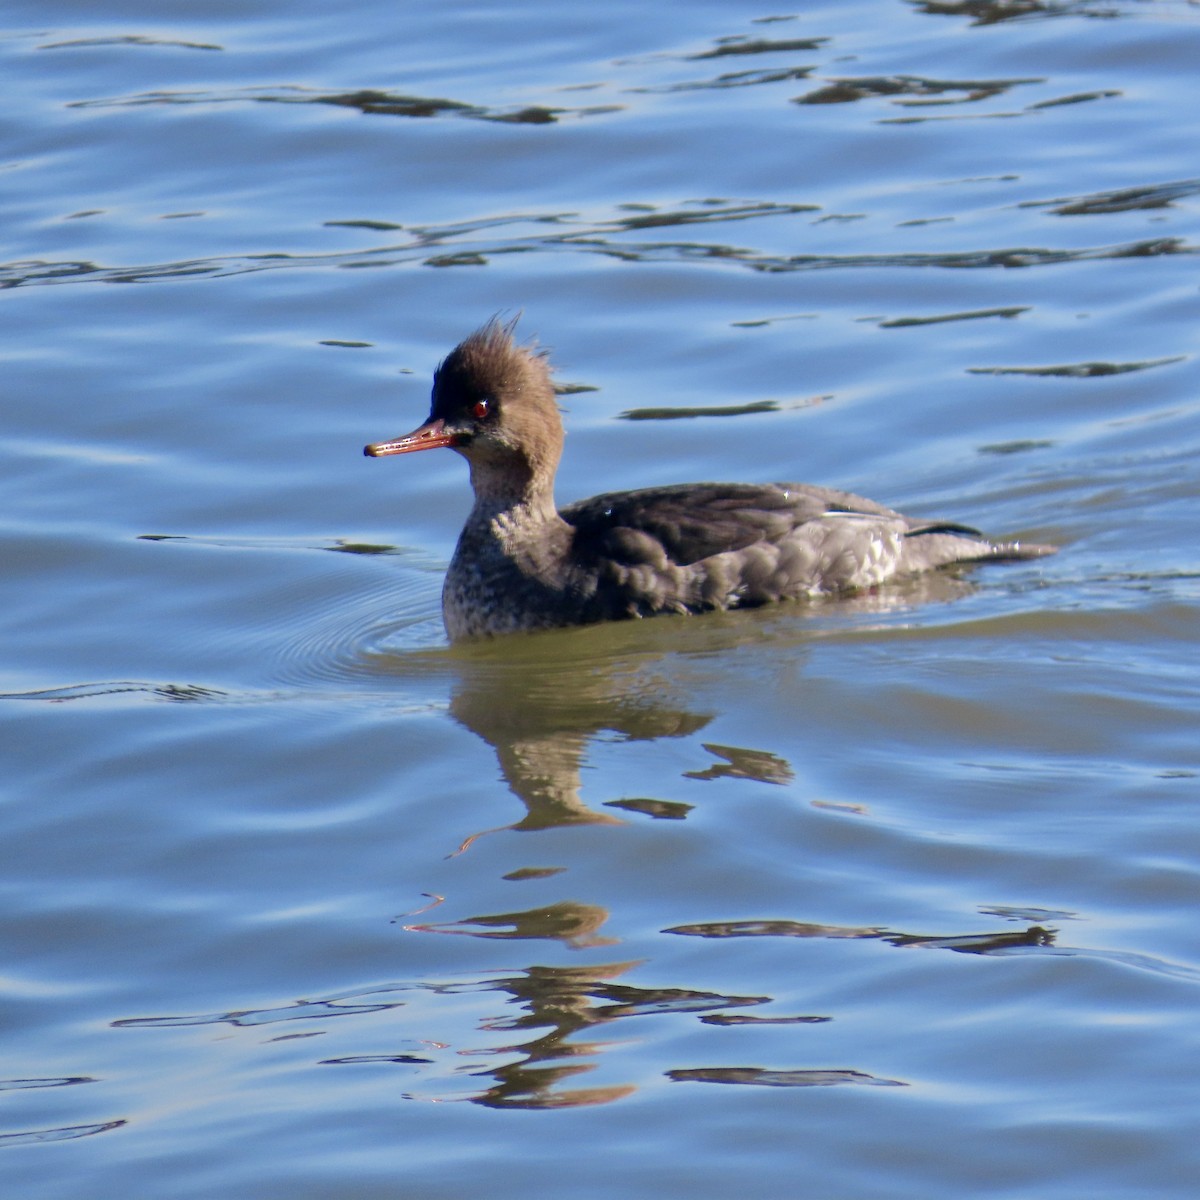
<point x="63" y="1134"/>
<point x="767" y="1078"/>
<point x="1036" y="940"/>
<point x="367" y="100"/>
<point x="1129" y="199"/>
<point x="175" y="692"/>
<point x="993" y="12"/>
<point x="16" y="1085"/>
<point x="598" y="241"/>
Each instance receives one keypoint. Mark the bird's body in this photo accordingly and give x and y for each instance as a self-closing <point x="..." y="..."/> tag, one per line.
<point x="521" y="564"/>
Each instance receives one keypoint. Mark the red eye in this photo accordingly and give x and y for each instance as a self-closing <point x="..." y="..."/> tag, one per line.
<point x="481" y="409"/>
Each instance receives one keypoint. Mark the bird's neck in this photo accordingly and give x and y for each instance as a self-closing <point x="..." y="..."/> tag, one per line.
<point x="514" y="495"/>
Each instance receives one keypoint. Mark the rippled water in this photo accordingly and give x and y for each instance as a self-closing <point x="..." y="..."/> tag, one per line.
<point x="299" y="902"/>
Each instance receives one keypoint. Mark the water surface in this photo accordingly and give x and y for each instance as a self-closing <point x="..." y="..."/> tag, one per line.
<point x="889" y="897"/>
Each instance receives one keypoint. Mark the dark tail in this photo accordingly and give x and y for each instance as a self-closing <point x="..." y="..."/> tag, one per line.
<point x="950" y="543"/>
<point x="1016" y="551"/>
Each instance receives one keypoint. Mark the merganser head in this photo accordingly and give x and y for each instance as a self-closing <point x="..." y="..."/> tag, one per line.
<point x="494" y="403"/>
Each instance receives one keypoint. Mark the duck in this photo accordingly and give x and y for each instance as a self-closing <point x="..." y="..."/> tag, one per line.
<point x="523" y="564"/>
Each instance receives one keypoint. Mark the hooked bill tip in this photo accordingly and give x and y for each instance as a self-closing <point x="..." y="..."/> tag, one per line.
<point x="395" y="446"/>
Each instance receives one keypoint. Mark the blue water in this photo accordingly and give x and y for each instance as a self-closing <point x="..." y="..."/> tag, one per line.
<point x="885" y="898"/>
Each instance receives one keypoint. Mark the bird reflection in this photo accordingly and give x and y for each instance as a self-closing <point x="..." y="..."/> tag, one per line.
<point x="969" y="943"/>
<point x="539" y="701"/>
<point x="570" y="922"/>
<point x="552" y="1019"/>
<point x="566" y="1001"/>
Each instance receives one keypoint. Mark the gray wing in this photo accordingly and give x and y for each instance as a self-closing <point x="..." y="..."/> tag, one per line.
<point x="690" y="522"/>
<point x="712" y="545"/>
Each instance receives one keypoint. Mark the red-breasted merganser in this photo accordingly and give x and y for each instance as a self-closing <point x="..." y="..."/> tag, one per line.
<point x="523" y="564"/>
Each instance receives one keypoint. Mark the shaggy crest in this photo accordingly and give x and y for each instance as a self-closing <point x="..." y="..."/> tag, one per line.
<point x="489" y="363"/>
